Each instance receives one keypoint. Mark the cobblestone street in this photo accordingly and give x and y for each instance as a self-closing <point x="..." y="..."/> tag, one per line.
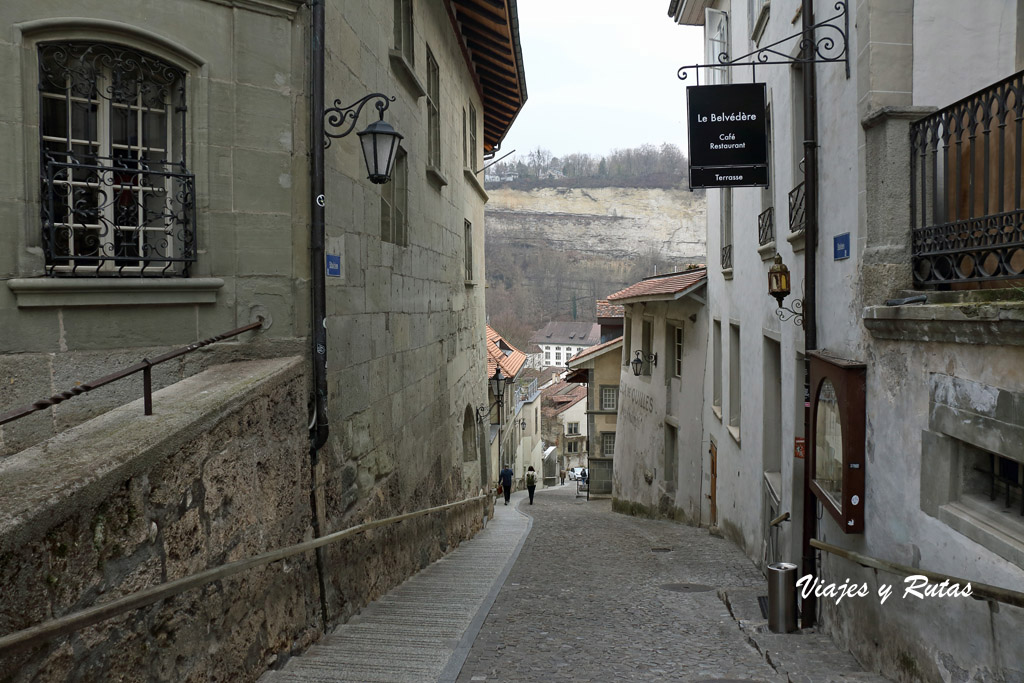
<point x="586" y="600"/>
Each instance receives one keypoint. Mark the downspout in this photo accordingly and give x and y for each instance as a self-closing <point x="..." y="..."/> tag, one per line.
<point x="810" y="103"/>
<point x="318" y="427"/>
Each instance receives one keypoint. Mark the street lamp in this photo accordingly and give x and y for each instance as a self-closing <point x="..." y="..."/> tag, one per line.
<point x="498" y="382"/>
<point x="639" y="359"/>
<point x="779" y="287"/>
<point x="379" y="140"/>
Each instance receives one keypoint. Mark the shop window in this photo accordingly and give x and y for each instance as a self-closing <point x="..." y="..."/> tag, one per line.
<point x="837" y="438"/>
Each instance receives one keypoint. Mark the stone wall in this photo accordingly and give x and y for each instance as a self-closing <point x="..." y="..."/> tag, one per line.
<point x="123" y="502"/>
<point x="221" y="472"/>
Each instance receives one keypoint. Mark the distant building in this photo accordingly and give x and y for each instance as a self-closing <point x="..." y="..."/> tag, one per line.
<point x="560" y="341"/>
<point x="515" y="434"/>
<point x="658" y="448"/>
<point x="609" y="318"/>
<point x="599" y="368"/>
<point x="563" y="410"/>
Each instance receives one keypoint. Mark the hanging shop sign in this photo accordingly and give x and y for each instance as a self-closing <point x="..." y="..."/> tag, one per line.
<point x="728" y="135"/>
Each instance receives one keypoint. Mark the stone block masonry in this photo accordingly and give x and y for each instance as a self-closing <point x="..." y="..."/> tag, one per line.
<point x="124" y="502"/>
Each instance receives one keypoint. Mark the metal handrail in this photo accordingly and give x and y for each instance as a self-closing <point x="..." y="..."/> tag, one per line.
<point x="144" y="366"/>
<point x="979" y="591"/>
<point x="93" y="615"/>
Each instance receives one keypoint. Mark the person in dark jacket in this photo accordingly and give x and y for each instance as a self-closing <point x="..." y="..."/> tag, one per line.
<point x="531" y="481"/>
<point x="505" y="479"/>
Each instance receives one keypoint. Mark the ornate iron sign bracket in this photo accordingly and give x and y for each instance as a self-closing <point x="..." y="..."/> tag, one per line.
<point x="346" y="117"/>
<point x="830" y="47"/>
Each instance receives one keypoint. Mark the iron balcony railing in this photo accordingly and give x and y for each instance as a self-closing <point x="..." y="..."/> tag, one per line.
<point x="117" y="217"/>
<point x="766" y="226"/>
<point x="797" y="213"/>
<point x="727" y="257"/>
<point x="967" y="223"/>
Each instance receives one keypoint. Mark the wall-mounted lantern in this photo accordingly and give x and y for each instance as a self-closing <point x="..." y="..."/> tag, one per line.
<point x="379" y="140"/>
<point x="779" y="287"/>
<point x="639" y="359"/>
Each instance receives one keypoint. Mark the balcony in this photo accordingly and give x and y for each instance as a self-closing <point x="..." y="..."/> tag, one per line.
<point x="967" y="223"/>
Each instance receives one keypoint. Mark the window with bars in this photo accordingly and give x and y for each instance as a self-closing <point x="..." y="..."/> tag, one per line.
<point x="394" y="204"/>
<point x="433" y="112"/>
<point x="116" y="198"/>
<point x="403" y="30"/>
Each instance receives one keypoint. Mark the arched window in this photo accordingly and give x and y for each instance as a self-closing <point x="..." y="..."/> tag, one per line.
<point x="469" y="450"/>
<point x="117" y="197"/>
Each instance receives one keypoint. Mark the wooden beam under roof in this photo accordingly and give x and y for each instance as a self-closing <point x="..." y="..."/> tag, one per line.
<point x="488" y="32"/>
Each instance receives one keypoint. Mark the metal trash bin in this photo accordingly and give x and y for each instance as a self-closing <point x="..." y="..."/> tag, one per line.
<point x="782" y="597"/>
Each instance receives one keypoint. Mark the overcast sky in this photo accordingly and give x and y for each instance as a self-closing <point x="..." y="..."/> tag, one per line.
<point x="601" y="75"/>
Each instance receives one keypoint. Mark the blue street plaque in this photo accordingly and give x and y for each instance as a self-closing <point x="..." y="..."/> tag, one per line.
<point x="841" y="246"/>
<point x="333" y="265"/>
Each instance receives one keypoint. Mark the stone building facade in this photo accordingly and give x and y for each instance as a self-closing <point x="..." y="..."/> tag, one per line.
<point x="915" y="453"/>
<point x="658" y="440"/>
<point x="157" y="192"/>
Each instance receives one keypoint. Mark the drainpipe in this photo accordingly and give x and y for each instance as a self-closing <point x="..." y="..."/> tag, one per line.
<point x="318" y="427"/>
<point x="809" y="604"/>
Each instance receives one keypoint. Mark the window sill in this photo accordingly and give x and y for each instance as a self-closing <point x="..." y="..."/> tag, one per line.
<point x="406" y="74"/>
<point x="998" y="532"/>
<point x="953" y="317"/>
<point x="734" y="432"/>
<point x="436" y="178"/>
<point x="767" y="251"/>
<point x="470" y="283"/>
<point x="797" y="240"/>
<point x="727" y="273"/>
<point x="717" y="410"/>
<point x="49" y="292"/>
<point x="475" y="183"/>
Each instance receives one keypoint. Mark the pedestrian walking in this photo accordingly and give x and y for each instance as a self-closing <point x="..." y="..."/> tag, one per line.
<point x="561" y="474"/>
<point x="505" y="479"/>
<point x="531" y="482"/>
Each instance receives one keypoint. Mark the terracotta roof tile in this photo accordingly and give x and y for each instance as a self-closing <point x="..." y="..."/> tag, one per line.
<point x="607" y="310"/>
<point x="593" y="350"/>
<point x="661" y="285"/>
<point x="501" y="353"/>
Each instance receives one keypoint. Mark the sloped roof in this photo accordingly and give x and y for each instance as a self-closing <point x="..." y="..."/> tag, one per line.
<point x="594" y="351"/>
<point x="561" y="396"/>
<point x="662" y="287"/>
<point x="502" y="354"/>
<point x="575" y="333"/>
<point x="607" y="310"/>
<point x="489" y="33"/>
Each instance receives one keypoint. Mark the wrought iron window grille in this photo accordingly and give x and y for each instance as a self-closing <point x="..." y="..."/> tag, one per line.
<point x="831" y="46"/>
<point x="117" y="198"/>
<point x="797" y="206"/>
<point x="727" y="257"/>
<point x="766" y="226"/>
<point x="967" y="209"/>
